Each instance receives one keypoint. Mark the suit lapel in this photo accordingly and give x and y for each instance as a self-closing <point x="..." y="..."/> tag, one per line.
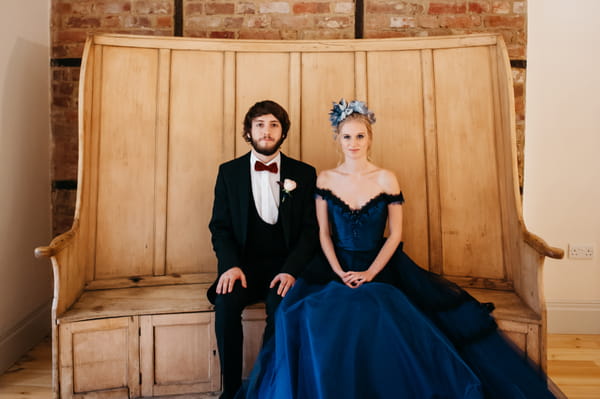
<point x="243" y="193"/>
<point x="285" y="204"/>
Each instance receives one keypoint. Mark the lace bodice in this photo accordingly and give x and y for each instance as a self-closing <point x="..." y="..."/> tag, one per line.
<point x="358" y="229"/>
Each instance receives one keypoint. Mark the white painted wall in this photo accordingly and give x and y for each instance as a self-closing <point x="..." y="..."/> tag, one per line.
<point x="562" y="154"/>
<point x="25" y="283"/>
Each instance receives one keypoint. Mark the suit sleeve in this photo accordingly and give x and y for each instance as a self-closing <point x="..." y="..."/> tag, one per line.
<point x="221" y="227"/>
<point x="303" y="249"/>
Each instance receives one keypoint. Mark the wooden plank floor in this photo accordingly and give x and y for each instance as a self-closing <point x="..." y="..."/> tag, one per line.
<point x="573" y="364"/>
<point x="31" y="376"/>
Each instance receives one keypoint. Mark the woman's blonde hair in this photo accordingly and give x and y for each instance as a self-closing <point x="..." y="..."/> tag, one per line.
<point x="356" y="117"/>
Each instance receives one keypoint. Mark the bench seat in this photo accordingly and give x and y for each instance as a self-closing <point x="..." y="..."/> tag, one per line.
<point x="137" y="301"/>
<point x="189" y="298"/>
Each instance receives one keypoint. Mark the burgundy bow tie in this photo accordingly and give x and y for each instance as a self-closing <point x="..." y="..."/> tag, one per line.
<point x="259" y="167"/>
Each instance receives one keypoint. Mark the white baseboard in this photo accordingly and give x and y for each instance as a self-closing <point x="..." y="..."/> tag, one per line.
<point x="24" y="336"/>
<point x="573" y="317"/>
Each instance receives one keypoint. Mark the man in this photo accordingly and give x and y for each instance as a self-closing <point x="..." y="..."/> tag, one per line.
<point x="264" y="232"/>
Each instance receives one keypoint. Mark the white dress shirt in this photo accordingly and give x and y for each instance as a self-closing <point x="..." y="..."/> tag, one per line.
<point x="265" y="189"/>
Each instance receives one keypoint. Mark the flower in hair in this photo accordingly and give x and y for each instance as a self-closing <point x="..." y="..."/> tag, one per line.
<point x="343" y="109"/>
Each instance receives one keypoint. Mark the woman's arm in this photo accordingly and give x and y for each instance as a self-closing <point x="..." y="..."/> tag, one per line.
<point x="325" y="236"/>
<point x="391" y="243"/>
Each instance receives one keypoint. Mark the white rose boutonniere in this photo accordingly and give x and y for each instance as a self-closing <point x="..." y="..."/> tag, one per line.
<point x="288" y="185"/>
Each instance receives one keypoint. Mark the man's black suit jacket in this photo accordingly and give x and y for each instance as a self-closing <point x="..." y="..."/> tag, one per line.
<point x="229" y="222"/>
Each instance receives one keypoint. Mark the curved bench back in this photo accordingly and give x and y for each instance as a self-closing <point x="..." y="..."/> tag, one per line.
<point x="158" y="115"/>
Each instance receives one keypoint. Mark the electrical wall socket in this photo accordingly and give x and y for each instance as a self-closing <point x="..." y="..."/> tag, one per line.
<point x="581" y="251"/>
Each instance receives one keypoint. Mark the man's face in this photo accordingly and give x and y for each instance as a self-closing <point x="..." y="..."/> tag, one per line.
<point x="266" y="134"/>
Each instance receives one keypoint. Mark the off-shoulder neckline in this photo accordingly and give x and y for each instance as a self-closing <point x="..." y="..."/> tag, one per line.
<point x="367" y="205"/>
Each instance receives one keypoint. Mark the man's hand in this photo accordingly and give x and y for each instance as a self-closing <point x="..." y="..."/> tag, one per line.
<point x="285" y="280"/>
<point x="228" y="279"/>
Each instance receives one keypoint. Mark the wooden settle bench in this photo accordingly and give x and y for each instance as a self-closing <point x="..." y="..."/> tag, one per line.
<point x="158" y="115"/>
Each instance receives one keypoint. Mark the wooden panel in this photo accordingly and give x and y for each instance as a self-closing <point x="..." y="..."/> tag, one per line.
<point x="195" y="147"/>
<point x="69" y="276"/>
<point x="171" y="279"/>
<point x="253" y="322"/>
<point x="360" y="75"/>
<point x="534" y="345"/>
<point x="161" y="165"/>
<point x="483" y="39"/>
<point x="434" y="206"/>
<point x="99" y="355"/>
<point x="294" y="139"/>
<point x="524" y="272"/>
<point x="87" y="172"/>
<point x="504" y="151"/>
<point x="259" y="76"/>
<point x="471" y="222"/>
<point x="396" y="97"/>
<point x="517" y="336"/>
<point x="179" y="354"/>
<point x="529" y="286"/>
<point x="229" y="112"/>
<point x="525" y="336"/>
<point x="325" y="78"/>
<point x="125" y="227"/>
<point x="122" y="393"/>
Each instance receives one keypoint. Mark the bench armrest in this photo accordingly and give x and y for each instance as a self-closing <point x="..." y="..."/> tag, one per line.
<point x="541" y="246"/>
<point x="57" y="244"/>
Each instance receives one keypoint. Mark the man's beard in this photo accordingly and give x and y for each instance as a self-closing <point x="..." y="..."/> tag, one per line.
<point x="267" y="151"/>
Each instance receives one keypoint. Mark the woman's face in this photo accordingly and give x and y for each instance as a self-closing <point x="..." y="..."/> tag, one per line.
<point x="354" y="139"/>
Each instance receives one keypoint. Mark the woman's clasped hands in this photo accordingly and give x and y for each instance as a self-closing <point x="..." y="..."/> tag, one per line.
<point x="355" y="279"/>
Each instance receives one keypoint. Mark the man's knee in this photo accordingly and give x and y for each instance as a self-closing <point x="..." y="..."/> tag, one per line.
<point x="234" y="301"/>
<point x="272" y="302"/>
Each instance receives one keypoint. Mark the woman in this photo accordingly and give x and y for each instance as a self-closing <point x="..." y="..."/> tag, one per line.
<point x="367" y="322"/>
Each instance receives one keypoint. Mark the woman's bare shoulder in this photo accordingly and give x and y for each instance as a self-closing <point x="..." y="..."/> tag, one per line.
<point x="388" y="181"/>
<point x="325" y="177"/>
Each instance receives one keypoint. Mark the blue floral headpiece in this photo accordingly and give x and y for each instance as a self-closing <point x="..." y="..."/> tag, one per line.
<point x="341" y="110"/>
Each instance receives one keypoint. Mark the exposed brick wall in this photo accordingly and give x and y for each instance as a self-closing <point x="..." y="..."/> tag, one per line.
<point x="64" y="91"/>
<point x="65" y="81"/>
<point x="519" y="87"/>
<point x="73" y="20"/>
<point x="269" y="19"/>
<point x="389" y="18"/>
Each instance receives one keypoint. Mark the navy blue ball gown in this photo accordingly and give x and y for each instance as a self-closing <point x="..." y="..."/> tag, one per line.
<point x="408" y="334"/>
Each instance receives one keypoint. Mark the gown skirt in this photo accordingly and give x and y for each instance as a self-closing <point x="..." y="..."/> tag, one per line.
<point x="408" y="334"/>
<point x="375" y="341"/>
